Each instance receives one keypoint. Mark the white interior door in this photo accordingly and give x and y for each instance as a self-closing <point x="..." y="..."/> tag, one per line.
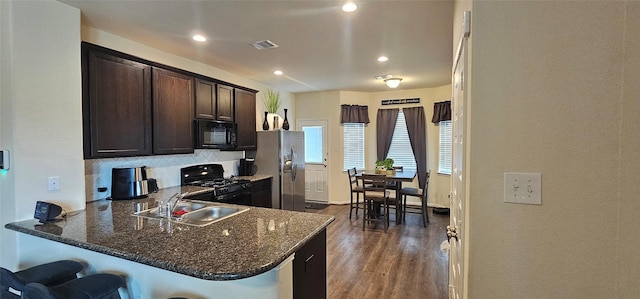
<point x="316" y="151"/>
<point x="456" y="229"/>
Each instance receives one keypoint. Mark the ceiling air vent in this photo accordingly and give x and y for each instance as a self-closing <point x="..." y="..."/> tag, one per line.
<point x="264" y="44"/>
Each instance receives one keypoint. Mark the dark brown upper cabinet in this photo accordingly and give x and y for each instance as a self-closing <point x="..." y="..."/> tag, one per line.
<point x="224" y="107"/>
<point x="135" y="107"/>
<point x="205" y="99"/>
<point x="116" y="104"/>
<point x="245" y="116"/>
<point x="173" y="98"/>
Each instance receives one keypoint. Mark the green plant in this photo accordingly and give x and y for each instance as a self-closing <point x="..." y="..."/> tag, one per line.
<point x="387" y="163"/>
<point x="271" y="100"/>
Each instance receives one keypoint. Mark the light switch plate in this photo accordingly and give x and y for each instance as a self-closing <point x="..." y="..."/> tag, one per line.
<point x="524" y="188"/>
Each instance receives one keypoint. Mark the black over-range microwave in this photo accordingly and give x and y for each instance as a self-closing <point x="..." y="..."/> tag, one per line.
<point x="215" y="134"/>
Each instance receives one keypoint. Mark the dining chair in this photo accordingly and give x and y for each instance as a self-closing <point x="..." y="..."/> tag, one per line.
<point x="355" y="189"/>
<point x="391" y="185"/>
<point x="422" y="194"/>
<point x="375" y="194"/>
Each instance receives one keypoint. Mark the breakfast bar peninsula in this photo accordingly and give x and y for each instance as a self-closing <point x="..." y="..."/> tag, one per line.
<point x="251" y="254"/>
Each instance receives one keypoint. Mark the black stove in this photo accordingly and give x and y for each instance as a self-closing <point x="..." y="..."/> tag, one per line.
<point x="227" y="190"/>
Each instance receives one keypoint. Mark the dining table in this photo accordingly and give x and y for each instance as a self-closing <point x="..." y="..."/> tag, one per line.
<point x="398" y="176"/>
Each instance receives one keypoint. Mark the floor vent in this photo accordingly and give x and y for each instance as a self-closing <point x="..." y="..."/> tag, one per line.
<point x="264" y="44"/>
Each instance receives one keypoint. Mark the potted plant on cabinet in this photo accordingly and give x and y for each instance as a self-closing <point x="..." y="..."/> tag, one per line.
<point x="271" y="101"/>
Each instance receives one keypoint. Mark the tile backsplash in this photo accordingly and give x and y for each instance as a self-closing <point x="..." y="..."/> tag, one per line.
<point x="165" y="169"/>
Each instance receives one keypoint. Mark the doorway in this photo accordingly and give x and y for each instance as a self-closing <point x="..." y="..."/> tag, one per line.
<point x="316" y="151"/>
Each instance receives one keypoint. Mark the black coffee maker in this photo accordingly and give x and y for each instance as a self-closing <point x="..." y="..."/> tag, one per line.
<point x="246" y="167"/>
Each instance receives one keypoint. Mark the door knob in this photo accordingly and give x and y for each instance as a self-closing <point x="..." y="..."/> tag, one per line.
<point x="452" y="233"/>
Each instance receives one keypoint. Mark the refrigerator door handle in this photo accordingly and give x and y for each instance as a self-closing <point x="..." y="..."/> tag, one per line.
<point x="294" y="166"/>
<point x="286" y="168"/>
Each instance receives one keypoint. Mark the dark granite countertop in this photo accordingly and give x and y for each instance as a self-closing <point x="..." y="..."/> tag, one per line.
<point x="247" y="244"/>
<point x="255" y="177"/>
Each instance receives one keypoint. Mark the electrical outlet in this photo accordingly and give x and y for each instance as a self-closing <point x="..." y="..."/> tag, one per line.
<point x="54" y="183"/>
<point x="523" y="188"/>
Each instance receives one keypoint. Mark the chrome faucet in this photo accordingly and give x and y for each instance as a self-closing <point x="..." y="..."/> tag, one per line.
<point x="170" y="205"/>
<point x="165" y="208"/>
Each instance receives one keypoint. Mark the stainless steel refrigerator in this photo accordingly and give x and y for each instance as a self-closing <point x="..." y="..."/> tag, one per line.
<point x="281" y="155"/>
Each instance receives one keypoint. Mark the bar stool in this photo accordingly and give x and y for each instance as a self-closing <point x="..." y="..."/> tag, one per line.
<point x="355" y="189"/>
<point x="375" y="194"/>
<point x="96" y="286"/>
<point x="48" y="274"/>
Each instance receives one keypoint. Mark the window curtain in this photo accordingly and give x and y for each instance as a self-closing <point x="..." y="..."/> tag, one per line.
<point x="385" y="124"/>
<point x="441" y="111"/>
<point x="416" y="127"/>
<point x="354" y="114"/>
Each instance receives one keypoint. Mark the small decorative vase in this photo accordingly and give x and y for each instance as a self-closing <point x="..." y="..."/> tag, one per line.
<point x="265" y="124"/>
<point x="274" y="120"/>
<point x="285" y="124"/>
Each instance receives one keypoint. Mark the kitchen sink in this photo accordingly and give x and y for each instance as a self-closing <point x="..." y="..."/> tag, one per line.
<point x="194" y="213"/>
<point x="208" y="215"/>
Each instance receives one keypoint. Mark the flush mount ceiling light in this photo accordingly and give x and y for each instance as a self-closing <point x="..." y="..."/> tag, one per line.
<point x="383" y="58"/>
<point x="393" y="82"/>
<point x="349" y="7"/>
<point x="278" y="72"/>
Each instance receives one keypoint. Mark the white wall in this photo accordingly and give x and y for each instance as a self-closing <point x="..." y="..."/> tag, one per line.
<point x="41" y="111"/>
<point x="326" y="105"/>
<point x="628" y="263"/>
<point x="553" y="91"/>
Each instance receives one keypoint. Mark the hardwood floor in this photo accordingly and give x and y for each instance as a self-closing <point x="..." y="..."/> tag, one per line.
<point x="406" y="262"/>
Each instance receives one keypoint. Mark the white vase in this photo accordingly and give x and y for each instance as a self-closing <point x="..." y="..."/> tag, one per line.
<point x="272" y="125"/>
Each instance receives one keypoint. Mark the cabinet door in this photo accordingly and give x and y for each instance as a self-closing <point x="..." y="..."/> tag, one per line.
<point x="261" y="193"/>
<point x="225" y="103"/>
<point x="245" y="116"/>
<point x="310" y="269"/>
<point x="205" y="99"/>
<point x="172" y="112"/>
<point x="116" y="106"/>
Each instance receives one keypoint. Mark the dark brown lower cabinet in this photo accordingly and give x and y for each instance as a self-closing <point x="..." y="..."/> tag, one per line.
<point x="310" y="269"/>
<point x="261" y="193"/>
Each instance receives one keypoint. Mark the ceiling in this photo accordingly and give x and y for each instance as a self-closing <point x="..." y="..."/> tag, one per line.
<point x="321" y="47"/>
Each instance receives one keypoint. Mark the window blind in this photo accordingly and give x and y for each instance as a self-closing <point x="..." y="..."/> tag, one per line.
<point x="353" y="146"/>
<point x="444" y="161"/>
<point x="400" y="150"/>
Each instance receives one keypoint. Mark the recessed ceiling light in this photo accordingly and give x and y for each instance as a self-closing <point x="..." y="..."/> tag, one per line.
<point x="278" y="72"/>
<point x="199" y="38"/>
<point x="383" y="58"/>
<point x="349" y="7"/>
